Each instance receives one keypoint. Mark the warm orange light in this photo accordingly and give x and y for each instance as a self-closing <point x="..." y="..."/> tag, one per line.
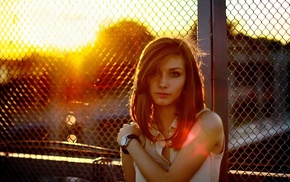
<point x="70" y="120"/>
<point x="53" y="26"/>
<point x="72" y="138"/>
<point x="47" y="26"/>
<point x="267" y="19"/>
<point x="55" y="158"/>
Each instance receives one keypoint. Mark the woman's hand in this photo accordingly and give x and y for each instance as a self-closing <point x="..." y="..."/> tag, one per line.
<point x="127" y="129"/>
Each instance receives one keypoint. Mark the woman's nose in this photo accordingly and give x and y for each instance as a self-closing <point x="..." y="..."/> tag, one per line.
<point x="163" y="82"/>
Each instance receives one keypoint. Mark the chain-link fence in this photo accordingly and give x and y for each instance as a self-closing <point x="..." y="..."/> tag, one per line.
<point x="66" y="72"/>
<point x="258" y="79"/>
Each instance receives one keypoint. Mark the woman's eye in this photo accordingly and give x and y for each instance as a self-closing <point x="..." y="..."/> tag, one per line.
<point x="175" y="74"/>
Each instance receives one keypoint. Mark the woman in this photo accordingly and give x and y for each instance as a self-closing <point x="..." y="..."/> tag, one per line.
<point x="173" y="136"/>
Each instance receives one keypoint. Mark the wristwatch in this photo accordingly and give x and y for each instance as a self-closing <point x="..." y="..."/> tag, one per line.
<point x="126" y="140"/>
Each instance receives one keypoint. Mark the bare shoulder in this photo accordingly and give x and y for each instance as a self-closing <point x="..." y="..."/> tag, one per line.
<point x="211" y="122"/>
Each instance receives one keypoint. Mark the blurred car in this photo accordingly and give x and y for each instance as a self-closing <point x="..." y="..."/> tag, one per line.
<point x="255" y="153"/>
<point x="44" y="160"/>
<point x="51" y="118"/>
<point x="47" y="138"/>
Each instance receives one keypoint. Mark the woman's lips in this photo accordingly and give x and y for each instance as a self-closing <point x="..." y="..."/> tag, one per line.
<point x="162" y="95"/>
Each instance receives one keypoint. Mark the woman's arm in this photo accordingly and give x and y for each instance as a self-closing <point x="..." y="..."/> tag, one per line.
<point x="128" y="167"/>
<point x="202" y="139"/>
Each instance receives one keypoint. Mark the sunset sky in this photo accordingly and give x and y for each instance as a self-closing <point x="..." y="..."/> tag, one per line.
<point x="27" y="25"/>
<point x="264" y="18"/>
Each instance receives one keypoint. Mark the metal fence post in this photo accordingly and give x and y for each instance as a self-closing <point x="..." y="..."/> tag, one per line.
<point x="204" y="43"/>
<point x="220" y="69"/>
<point x="212" y="39"/>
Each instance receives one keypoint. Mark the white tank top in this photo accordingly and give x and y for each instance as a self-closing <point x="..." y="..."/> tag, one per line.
<point x="208" y="172"/>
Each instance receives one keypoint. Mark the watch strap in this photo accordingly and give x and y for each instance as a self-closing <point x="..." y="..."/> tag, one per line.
<point x="129" y="137"/>
<point x="125" y="151"/>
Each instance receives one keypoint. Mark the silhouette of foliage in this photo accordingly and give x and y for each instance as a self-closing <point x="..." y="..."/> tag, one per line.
<point x="115" y="53"/>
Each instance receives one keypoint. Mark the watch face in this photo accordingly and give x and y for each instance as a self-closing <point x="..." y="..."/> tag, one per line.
<point x="124" y="141"/>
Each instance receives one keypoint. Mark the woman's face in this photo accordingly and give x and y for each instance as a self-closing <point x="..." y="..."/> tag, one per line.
<point x="167" y="81"/>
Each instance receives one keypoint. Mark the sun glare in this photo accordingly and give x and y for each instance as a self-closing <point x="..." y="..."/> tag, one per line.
<point x="52" y="26"/>
<point x="267" y="19"/>
<point x="65" y="25"/>
<point x="68" y="25"/>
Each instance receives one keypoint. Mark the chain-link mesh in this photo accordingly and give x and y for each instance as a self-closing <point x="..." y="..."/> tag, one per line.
<point x="65" y="77"/>
<point x="66" y="73"/>
<point x="258" y="79"/>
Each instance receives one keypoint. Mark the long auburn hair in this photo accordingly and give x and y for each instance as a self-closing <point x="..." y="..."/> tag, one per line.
<point x="192" y="99"/>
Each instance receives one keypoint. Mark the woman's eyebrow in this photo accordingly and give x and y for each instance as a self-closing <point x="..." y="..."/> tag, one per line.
<point x="175" y="68"/>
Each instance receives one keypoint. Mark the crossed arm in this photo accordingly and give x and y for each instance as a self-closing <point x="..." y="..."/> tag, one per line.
<point x="205" y="136"/>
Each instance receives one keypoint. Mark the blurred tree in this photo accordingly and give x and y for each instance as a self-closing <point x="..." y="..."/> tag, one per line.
<point x="115" y="53"/>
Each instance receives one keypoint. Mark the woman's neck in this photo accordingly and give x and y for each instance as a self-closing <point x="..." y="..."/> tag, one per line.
<point x="164" y="117"/>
